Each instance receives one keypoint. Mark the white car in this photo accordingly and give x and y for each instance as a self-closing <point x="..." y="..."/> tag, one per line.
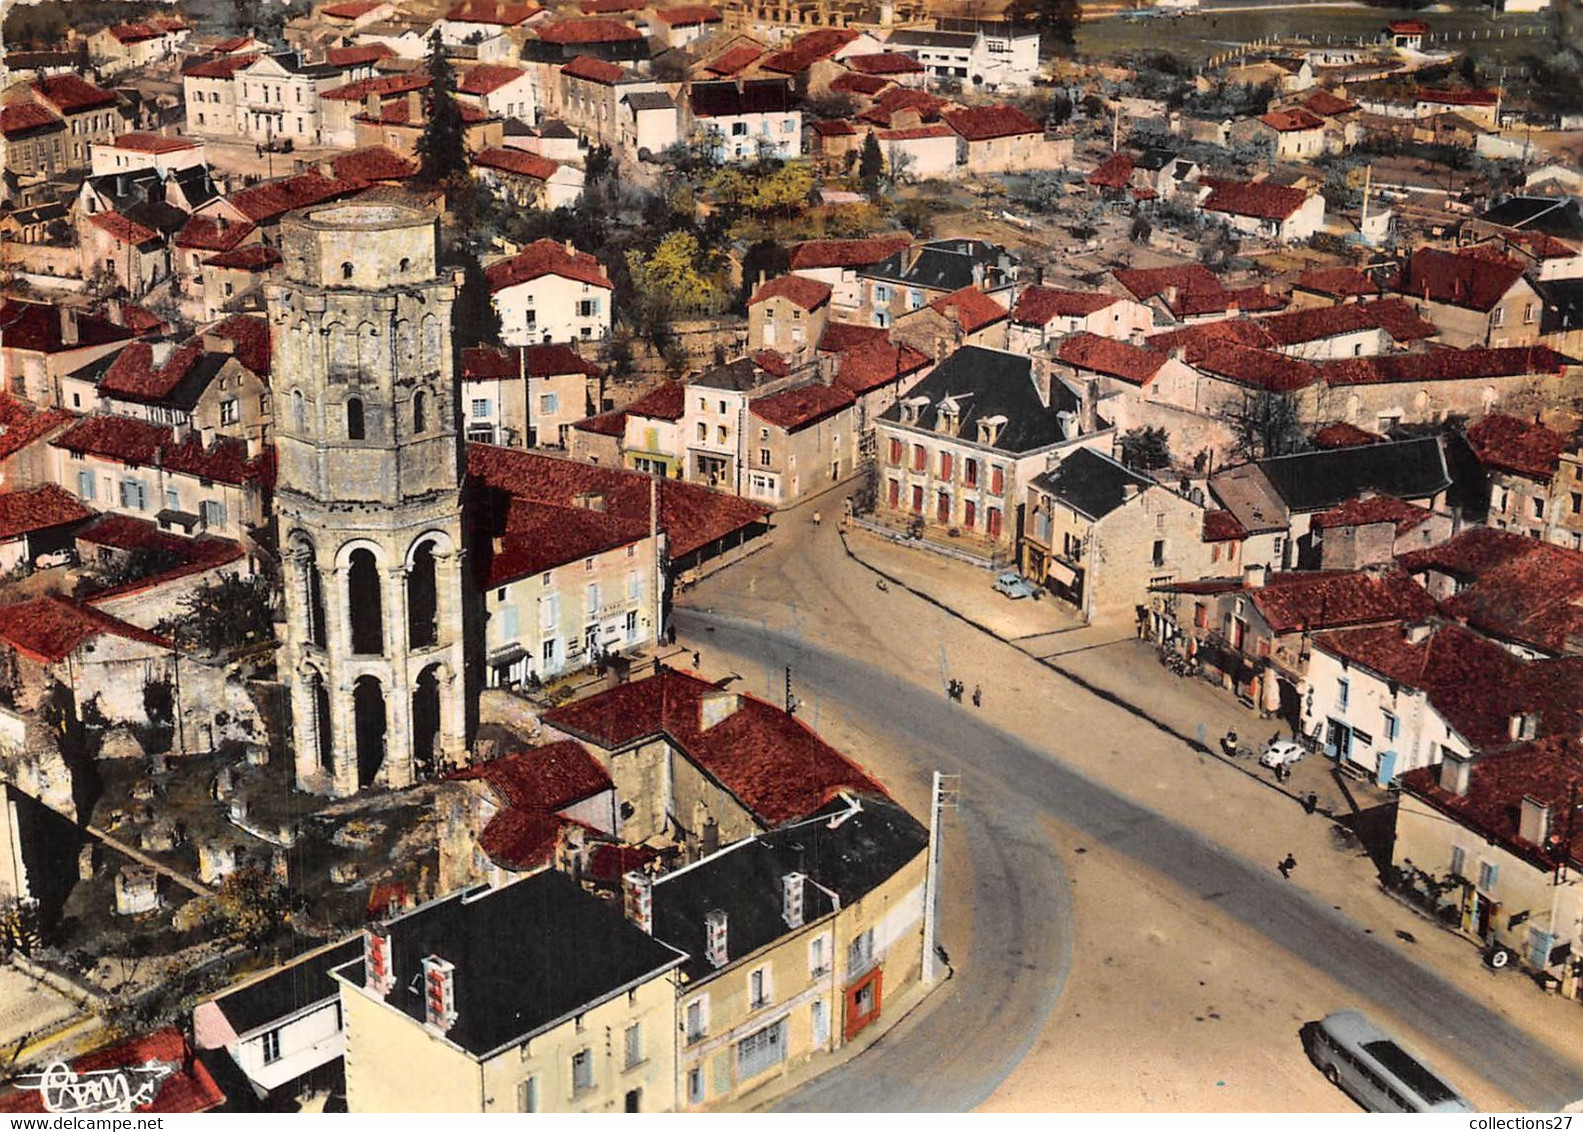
<point x="1282" y="752"/>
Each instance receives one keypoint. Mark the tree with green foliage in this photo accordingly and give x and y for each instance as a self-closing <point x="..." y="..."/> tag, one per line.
<point x="252" y="905"/>
<point x="1055" y="20"/>
<point x="676" y="277"/>
<point x="870" y="164"/>
<point x="442" y="149"/>
<point x="222" y="615"/>
<point x="475" y="321"/>
<point x="1266" y="424"/>
<point x="766" y="259"/>
<point x="1146" y="449"/>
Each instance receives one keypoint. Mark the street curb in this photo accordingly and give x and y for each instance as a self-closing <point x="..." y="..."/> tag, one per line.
<point x="1101" y="693"/>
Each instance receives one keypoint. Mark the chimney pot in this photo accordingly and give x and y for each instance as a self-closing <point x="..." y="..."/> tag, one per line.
<point x="715" y="944"/>
<point x="1533" y="822"/>
<point x="1456" y="774"/>
<point x="792" y="899"/>
<point x="68" y="326"/>
<point x="637" y="899"/>
<point x="1255" y="575"/>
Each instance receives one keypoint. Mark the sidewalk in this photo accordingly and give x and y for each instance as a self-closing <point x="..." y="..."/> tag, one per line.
<point x="1109" y="660"/>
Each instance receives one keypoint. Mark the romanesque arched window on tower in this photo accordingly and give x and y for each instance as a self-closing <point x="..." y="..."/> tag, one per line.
<point x="420" y="412"/>
<point x="346" y="271"/>
<point x="365" y="604"/>
<point x="422" y="598"/>
<point x="356" y="428"/>
<point x="299" y="411"/>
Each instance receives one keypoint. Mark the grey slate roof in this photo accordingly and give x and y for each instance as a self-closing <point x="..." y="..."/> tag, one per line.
<point x="988" y="383"/>
<point x="1559" y="217"/>
<point x="1317" y="481"/>
<point x="946" y="265"/>
<point x="650" y="100"/>
<point x="295" y="986"/>
<point x="526" y="955"/>
<point x="1091" y="483"/>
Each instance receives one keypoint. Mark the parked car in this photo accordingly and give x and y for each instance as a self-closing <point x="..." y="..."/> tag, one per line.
<point x="1282" y="752"/>
<point x="1015" y="585"/>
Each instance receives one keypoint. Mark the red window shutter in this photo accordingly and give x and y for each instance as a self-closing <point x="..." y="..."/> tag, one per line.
<point x="945" y="465"/>
<point x="970" y="473"/>
<point x="917" y="500"/>
<point x="920" y="458"/>
<point x="997" y="480"/>
<point x="895" y="451"/>
<point x="894" y="495"/>
<point x="969" y="514"/>
<point x="992" y="522"/>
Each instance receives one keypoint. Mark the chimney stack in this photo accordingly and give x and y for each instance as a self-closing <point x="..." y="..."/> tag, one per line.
<point x="1533" y="823"/>
<point x="439" y="993"/>
<point x="1456" y="773"/>
<point x="68" y="326"/>
<point x="414" y="108"/>
<point x="791" y="899"/>
<point x="637" y="899"/>
<point x="378" y="975"/>
<point x="715" y="949"/>
<point x="1255" y="575"/>
<point x="716" y="706"/>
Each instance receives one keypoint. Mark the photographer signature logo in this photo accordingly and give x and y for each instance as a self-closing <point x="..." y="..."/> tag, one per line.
<point x="64" y="1090"/>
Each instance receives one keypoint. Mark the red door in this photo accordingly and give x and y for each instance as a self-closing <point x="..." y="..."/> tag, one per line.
<point x="992" y="522"/>
<point x="893" y="494"/>
<point x="942" y="509"/>
<point x="917" y="500"/>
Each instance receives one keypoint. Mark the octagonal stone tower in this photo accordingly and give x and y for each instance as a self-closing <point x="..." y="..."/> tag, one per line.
<point x="368" y="497"/>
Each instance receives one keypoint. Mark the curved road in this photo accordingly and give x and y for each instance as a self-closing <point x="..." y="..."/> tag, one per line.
<point x="993" y="1011"/>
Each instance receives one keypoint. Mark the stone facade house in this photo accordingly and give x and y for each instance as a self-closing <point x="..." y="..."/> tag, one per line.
<point x="550" y="292"/>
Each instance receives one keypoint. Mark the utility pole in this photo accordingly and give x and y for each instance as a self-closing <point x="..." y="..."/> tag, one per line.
<point x="947" y="792"/>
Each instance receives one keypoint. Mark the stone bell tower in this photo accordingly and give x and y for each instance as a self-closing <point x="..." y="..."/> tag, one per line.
<point x="368" y="498"/>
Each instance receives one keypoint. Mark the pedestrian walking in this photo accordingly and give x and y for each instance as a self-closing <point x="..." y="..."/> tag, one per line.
<point x="698" y="660"/>
<point x="978" y="696"/>
<point x="670" y="634"/>
<point x="1285" y="867"/>
<point x="817" y="519"/>
<point x="1310" y="803"/>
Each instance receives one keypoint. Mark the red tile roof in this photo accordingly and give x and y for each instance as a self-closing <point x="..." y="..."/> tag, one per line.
<point x="865" y="252"/>
<point x="386" y="86"/>
<point x="190" y="555"/>
<point x="492" y="12"/>
<point x="518" y="162"/>
<point x="134" y="33"/>
<point x="1468" y="555"/>
<point x="23" y="512"/>
<point x="1115" y="172"/>
<point x="1111" y="357"/>
<point x="1340" y="282"/>
<point x="1146" y="283"/>
<point x="357" y="54"/>
<point x="605" y="424"/>
<point x="255" y="258"/>
<point x="807" y="49"/>
<point x="124" y="229"/>
<point x="809" y="294"/>
<point x="189" y="1088"/>
<point x="1328" y="105"/>
<point x="794" y="409"/>
<point x="220" y="67"/>
<point x="773" y="763"/>
<point x="140" y="142"/>
<point x="48" y="629"/>
<point x="593" y="70"/>
<point x="839" y="337"/>
<point x="488" y="78"/>
<point x="1549" y="771"/>
<point x="399" y="113"/>
<point x="371" y="164"/>
<point x="689" y="15"/>
<point x="249" y="338"/>
<point x="1329" y="599"/>
<point x="1222" y="526"/>
<point x="900" y="99"/>
<point x="876" y="362"/>
<point x="1407" y="27"/>
<point x="1531" y="599"/>
<point x="546" y="257"/>
<point x="272" y="199"/>
<point x="1304" y="325"/>
<point x="691" y="516"/>
<point x="916" y="133"/>
<point x="985" y="123"/>
<point x="839" y="129"/>
<point x="1463" y="279"/>
<point x="1340" y="434"/>
<point x="1458" y="96"/>
<point x="667" y="402"/>
<point x="1513" y="445"/>
<point x="772" y="362"/>
<point x="505" y="362"/>
<point x="350" y="9"/>
<point x="1260" y="200"/>
<point x="21" y="424"/>
<point x="133" y="375"/>
<point x="72" y="94"/>
<point x="737" y="59"/>
<point x="1259" y="369"/>
<point x="884" y="63"/>
<point x="971" y="308"/>
<point x="1037" y="306"/>
<point x="1291" y="120"/>
<point x="1370" y="509"/>
<point x="1445" y="365"/>
<point x="850" y="82"/>
<point x="1540" y="246"/>
<point x="140" y="444"/>
<point x="550" y="777"/>
<point x="37" y="327"/>
<point x="588" y="31"/>
<point x="20" y="118"/>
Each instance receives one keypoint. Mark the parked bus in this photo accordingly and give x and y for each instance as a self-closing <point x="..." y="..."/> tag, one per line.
<point x="1380" y="1075"/>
